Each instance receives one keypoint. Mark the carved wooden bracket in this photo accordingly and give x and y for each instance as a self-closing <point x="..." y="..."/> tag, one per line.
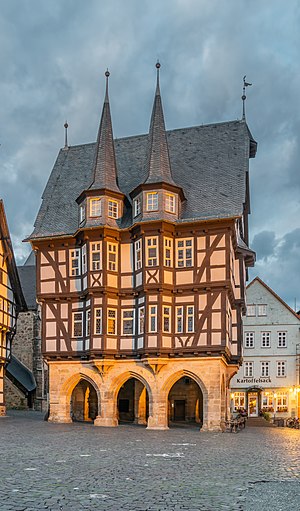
<point x="154" y="365"/>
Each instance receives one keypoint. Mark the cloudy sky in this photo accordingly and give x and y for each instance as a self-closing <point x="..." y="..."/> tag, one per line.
<point x="53" y="55"/>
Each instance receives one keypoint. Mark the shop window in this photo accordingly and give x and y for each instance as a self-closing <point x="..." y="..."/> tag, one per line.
<point x="282" y="402"/>
<point x="239" y="400"/>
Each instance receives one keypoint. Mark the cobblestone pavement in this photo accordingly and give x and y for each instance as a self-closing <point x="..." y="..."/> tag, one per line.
<point x="82" y="467"/>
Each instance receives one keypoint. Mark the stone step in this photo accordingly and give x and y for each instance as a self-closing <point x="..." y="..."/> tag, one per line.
<point x="259" y="422"/>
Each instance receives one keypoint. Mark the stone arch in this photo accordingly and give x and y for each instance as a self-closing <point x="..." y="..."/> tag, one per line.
<point x="69" y="385"/>
<point x="174" y="378"/>
<point x="120" y="380"/>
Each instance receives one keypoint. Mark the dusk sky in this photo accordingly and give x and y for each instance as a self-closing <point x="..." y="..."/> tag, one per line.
<point x="53" y="56"/>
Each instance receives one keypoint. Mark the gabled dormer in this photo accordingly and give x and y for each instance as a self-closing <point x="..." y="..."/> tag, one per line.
<point x="102" y="203"/>
<point x="159" y="197"/>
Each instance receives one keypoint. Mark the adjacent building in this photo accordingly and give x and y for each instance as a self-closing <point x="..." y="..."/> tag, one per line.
<point x="142" y="250"/>
<point x="269" y="379"/>
<point x="11" y="301"/>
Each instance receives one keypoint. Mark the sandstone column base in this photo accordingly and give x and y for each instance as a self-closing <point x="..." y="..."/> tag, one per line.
<point x="2" y="411"/>
<point x="107" y="422"/>
<point x="60" y="419"/>
<point x="156" y="424"/>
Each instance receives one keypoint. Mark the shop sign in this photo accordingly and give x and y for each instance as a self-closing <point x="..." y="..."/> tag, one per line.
<point x="254" y="380"/>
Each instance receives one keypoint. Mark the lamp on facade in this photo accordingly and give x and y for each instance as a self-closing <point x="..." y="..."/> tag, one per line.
<point x="274" y="405"/>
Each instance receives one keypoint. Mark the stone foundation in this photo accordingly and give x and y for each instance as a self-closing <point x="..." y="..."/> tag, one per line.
<point x="158" y="377"/>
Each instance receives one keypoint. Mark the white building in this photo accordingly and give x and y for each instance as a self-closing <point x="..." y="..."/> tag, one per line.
<point x="269" y="378"/>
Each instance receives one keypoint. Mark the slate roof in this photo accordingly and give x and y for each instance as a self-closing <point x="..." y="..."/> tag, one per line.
<point x="27" y="275"/>
<point x="209" y="162"/>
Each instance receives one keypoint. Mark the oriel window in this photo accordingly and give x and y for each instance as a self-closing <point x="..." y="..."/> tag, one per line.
<point x="184" y="253"/>
<point x="95" y="207"/>
<point x="111" y="321"/>
<point x="112" y="259"/>
<point x="128" y="322"/>
<point x="77" y="324"/>
<point x="152" y="201"/>
<point x="113" y="209"/>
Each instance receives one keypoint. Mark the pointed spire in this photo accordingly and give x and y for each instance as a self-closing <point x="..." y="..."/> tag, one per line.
<point x="66" y="135"/>
<point x="158" y="160"/>
<point x="104" y="167"/>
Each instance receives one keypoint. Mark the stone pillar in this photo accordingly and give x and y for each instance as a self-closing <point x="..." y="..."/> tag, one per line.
<point x="59" y="412"/>
<point x="109" y="416"/>
<point x="158" y="418"/>
<point x="212" y="419"/>
<point x="140" y="398"/>
<point x="2" y="400"/>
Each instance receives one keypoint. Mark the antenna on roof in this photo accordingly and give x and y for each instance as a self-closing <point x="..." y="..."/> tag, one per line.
<point x="245" y="84"/>
<point x="66" y="135"/>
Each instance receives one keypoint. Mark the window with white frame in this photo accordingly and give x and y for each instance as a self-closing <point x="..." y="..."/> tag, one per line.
<point x="81" y="213"/>
<point x="190" y="318"/>
<point x="249" y="338"/>
<point x="95" y="256"/>
<point x="267" y="400"/>
<point x="138" y="254"/>
<point x="152" y="251"/>
<point x="282" y="399"/>
<point x="137" y="206"/>
<point x="170" y="204"/>
<point x="261" y="310"/>
<point x="88" y="323"/>
<point x="184" y="253"/>
<point x="152" y="318"/>
<point x="281" y="368"/>
<point x="282" y="340"/>
<point x="166" y="318"/>
<point x="248" y="369"/>
<point x="141" y="325"/>
<point x="113" y="209"/>
<point x="168" y="252"/>
<point x="112" y="256"/>
<point x="265" y="339"/>
<point x="95" y="207"/>
<point x="98" y="321"/>
<point x="128" y="322"/>
<point x="84" y="259"/>
<point x="251" y="310"/>
<point x="75" y="262"/>
<point x="239" y="400"/>
<point x="265" y="368"/>
<point x="111" y="321"/>
<point x="152" y="201"/>
<point x="77" y="324"/>
<point x="179" y="319"/>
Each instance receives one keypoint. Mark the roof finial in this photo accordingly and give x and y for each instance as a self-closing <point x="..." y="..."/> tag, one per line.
<point x="107" y="74"/>
<point x="157" y="65"/>
<point x="245" y="84"/>
<point x="66" y="135"/>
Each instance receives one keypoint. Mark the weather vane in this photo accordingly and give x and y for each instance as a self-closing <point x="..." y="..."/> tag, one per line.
<point x="245" y="84"/>
<point x="66" y="135"/>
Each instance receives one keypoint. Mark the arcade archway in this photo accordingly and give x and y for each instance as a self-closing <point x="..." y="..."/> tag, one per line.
<point x="185" y="403"/>
<point x="133" y="402"/>
<point x="84" y="402"/>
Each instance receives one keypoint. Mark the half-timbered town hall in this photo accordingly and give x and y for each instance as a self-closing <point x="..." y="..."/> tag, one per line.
<point x="142" y="253"/>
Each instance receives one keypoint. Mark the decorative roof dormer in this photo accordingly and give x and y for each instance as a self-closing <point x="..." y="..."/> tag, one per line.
<point x="102" y="202"/>
<point x="159" y="197"/>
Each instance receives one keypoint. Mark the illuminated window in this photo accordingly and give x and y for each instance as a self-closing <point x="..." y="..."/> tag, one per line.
<point x="81" y="214"/>
<point x="137" y="203"/>
<point x="95" y="256"/>
<point x="152" y="201"/>
<point x="152" y="251"/>
<point x="264" y="368"/>
<point x="190" y="318"/>
<point x="95" y="207"/>
<point x="251" y="310"/>
<point x="261" y="310"/>
<point x="111" y="321"/>
<point x="170" y="203"/>
<point x="168" y="252"/>
<point x="98" y="321"/>
<point x="239" y="400"/>
<point x="282" y="339"/>
<point x="128" y="322"/>
<point x="113" y="209"/>
<point x="88" y="323"/>
<point x="184" y="253"/>
<point x="152" y="318"/>
<point x="282" y="402"/>
<point x="75" y="262"/>
<point x="267" y="401"/>
<point x="166" y="319"/>
<point x="141" y="320"/>
<point x="265" y="339"/>
<point x="112" y="256"/>
<point x="248" y="369"/>
<point x="138" y="254"/>
<point x="281" y="368"/>
<point x="249" y="339"/>
<point x="77" y="324"/>
<point x="179" y="320"/>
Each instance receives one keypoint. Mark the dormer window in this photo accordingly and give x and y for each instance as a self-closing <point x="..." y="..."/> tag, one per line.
<point x="170" y="203"/>
<point x="95" y="207"/>
<point x="152" y="201"/>
<point x="113" y="209"/>
<point x="137" y="206"/>
<point x="81" y="214"/>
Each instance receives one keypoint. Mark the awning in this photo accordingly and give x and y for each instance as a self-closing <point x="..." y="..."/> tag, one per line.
<point x="20" y="375"/>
